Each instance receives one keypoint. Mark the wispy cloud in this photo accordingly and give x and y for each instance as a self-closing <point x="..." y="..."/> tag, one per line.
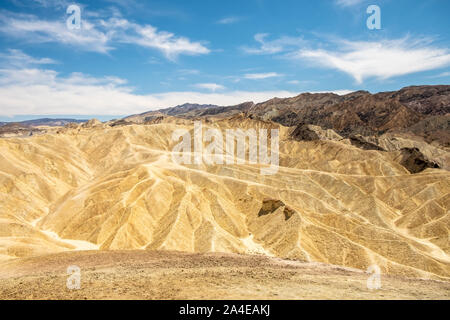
<point x="98" y="35"/>
<point x="302" y="82"/>
<point x="338" y="92"/>
<point x="229" y="20"/>
<point x="273" y="46"/>
<point x="348" y="3"/>
<point x="189" y="71"/>
<point x="53" y="3"/>
<point x="18" y="58"/>
<point x="168" y="43"/>
<point x="259" y="76"/>
<point x="34" y="30"/>
<point x="382" y="59"/>
<point x="29" y="90"/>
<point x="441" y="75"/>
<point x="210" y="86"/>
<point x="34" y="92"/>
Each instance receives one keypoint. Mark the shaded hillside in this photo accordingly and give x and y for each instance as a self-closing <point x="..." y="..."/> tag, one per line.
<point x="181" y="111"/>
<point x="429" y="100"/>
<point x="419" y="110"/>
<point x="190" y="111"/>
<point x="18" y="129"/>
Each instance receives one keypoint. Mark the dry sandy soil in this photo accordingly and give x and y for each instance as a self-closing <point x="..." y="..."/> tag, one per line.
<point x="175" y="275"/>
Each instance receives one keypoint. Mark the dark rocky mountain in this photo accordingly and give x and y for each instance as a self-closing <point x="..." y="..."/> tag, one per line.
<point x="419" y="111"/>
<point x="186" y="108"/>
<point x="432" y="129"/>
<point x="179" y="111"/>
<point x="190" y="111"/>
<point x="429" y="100"/>
<point x="225" y="111"/>
<point x="423" y="111"/>
<point x="290" y="111"/>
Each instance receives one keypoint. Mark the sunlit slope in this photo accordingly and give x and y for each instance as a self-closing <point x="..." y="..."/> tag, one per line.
<point x="118" y="188"/>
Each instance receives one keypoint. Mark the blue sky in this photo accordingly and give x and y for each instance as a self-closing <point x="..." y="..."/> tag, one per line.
<point x="133" y="56"/>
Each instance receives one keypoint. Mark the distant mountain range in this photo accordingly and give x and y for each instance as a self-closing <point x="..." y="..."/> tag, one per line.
<point x="31" y="127"/>
<point x="45" y="122"/>
<point x="423" y="111"/>
<point x="414" y="120"/>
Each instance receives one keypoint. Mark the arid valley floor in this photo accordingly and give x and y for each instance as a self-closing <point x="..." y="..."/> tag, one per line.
<point x="171" y="275"/>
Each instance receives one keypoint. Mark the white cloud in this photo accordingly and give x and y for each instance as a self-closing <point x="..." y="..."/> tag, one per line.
<point x="302" y="82"/>
<point x="210" y="86"/>
<point x="273" y="46"/>
<point x="98" y="35"/>
<point x="17" y="58"/>
<point x="338" y="92"/>
<point x="383" y="59"/>
<point x="259" y="76"/>
<point x="189" y="71"/>
<point x="34" y="30"/>
<point x="229" y="20"/>
<point x="25" y="89"/>
<point x="36" y="92"/>
<point x="348" y="3"/>
<point x="169" y="44"/>
<point x="32" y="91"/>
<point x="441" y="75"/>
<point x="54" y="3"/>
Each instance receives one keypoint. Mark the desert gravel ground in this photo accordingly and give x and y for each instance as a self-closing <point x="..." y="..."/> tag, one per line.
<point x="175" y="275"/>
